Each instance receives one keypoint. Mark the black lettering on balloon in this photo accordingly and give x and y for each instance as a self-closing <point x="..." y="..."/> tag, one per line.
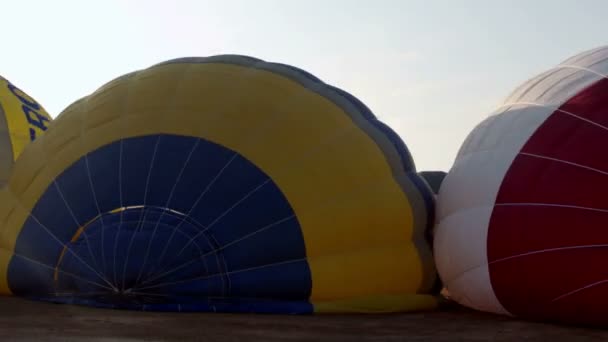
<point x="25" y="99"/>
<point x="34" y="118"/>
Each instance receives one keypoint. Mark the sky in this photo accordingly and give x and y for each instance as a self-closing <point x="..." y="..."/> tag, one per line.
<point x="430" y="69"/>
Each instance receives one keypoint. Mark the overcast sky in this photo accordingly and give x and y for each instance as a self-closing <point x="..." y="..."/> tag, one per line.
<point x="430" y="69"/>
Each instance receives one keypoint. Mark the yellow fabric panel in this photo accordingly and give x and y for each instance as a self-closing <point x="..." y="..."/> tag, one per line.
<point x="379" y="304"/>
<point x="12" y="216"/>
<point x="304" y="142"/>
<point x="35" y="171"/>
<point x="17" y="116"/>
<point x="5" y="257"/>
<point x="385" y="269"/>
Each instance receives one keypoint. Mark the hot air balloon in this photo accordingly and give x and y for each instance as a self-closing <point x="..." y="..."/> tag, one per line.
<point x="433" y="179"/>
<point x="521" y="224"/>
<point x="22" y="119"/>
<point x="222" y="184"/>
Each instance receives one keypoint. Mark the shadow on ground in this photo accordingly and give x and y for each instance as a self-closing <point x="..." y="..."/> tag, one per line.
<point x="23" y="320"/>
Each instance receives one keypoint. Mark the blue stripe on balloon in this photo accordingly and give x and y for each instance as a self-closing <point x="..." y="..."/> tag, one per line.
<point x="137" y="158"/>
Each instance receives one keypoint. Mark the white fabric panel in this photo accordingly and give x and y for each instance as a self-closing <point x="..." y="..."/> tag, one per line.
<point x="557" y="85"/>
<point x="468" y="193"/>
<point x="586" y="53"/>
<point x="473" y="222"/>
<point x="474" y="294"/>
<point x="594" y="59"/>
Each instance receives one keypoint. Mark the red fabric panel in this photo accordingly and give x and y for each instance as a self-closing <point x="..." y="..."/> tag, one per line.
<point x="531" y="266"/>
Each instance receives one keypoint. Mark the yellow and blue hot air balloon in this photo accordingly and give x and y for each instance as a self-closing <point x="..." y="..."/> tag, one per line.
<point x="219" y="184"/>
<point x="22" y="119"/>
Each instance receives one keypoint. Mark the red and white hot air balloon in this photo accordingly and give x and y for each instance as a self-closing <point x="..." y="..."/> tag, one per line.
<point x="522" y="220"/>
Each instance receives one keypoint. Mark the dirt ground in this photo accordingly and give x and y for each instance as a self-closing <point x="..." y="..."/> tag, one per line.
<point x="22" y="320"/>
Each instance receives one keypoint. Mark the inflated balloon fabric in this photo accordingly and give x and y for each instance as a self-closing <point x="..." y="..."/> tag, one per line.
<point x="22" y="120"/>
<point x="433" y="179"/>
<point x="522" y="214"/>
<point x="219" y="184"/>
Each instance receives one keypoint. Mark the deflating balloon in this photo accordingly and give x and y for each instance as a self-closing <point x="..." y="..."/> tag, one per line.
<point x="22" y="119"/>
<point x="433" y="179"/>
<point x="522" y="214"/>
<point x="219" y="184"/>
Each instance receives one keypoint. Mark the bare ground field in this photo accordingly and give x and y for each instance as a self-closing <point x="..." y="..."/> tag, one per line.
<point x="23" y="320"/>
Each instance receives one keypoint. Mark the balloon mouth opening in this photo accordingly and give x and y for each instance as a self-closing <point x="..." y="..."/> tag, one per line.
<point x="140" y="255"/>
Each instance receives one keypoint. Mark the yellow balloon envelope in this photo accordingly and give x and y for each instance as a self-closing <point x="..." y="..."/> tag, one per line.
<point x="22" y="119"/>
<point x="219" y="184"/>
